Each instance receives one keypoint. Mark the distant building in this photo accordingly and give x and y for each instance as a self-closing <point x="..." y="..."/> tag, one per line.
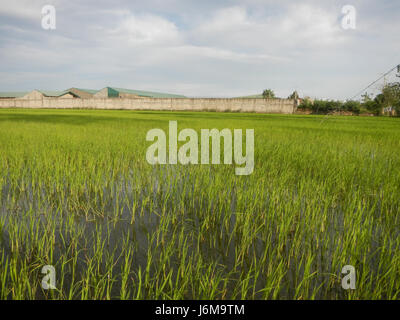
<point x="71" y="93"/>
<point x="389" y="111"/>
<point x="12" y="95"/>
<point x="106" y="92"/>
<point x="40" y="94"/>
<point x="82" y="93"/>
<point x="110" y="92"/>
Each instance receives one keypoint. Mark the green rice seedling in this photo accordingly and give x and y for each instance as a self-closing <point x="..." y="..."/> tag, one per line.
<point x="77" y="193"/>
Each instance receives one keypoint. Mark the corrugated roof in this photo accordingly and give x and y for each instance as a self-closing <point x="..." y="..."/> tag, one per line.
<point x="49" y="93"/>
<point x="149" y="93"/>
<point x="91" y="91"/>
<point x="112" y="92"/>
<point x="12" y="94"/>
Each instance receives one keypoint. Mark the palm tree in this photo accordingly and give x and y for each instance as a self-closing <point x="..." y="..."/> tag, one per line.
<point x="294" y="95"/>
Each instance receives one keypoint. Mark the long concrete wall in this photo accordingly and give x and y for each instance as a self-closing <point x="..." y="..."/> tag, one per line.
<point x="285" y="106"/>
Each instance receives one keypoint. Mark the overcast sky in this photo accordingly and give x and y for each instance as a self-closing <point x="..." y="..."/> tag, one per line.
<point x="199" y="48"/>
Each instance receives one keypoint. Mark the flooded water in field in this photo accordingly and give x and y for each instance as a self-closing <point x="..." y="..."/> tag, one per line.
<point x="144" y="219"/>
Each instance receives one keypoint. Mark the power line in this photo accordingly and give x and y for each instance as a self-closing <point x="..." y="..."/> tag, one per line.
<point x="363" y="90"/>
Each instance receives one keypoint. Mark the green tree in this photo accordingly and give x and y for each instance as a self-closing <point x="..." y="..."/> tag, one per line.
<point x="352" y="106"/>
<point x="375" y="106"/>
<point x="391" y="96"/>
<point x="268" y="94"/>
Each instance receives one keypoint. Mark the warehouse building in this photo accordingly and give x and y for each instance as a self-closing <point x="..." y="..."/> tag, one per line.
<point x="41" y="94"/>
<point x="109" y="92"/>
<point x="12" y="95"/>
<point x="82" y="93"/>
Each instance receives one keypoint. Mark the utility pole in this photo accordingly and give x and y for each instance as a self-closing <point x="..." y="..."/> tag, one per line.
<point x="398" y="71"/>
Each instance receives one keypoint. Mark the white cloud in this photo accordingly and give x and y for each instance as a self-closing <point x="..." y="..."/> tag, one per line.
<point x="144" y="29"/>
<point x="27" y="9"/>
<point x="312" y="25"/>
<point x="226" y="20"/>
<point x="298" y="26"/>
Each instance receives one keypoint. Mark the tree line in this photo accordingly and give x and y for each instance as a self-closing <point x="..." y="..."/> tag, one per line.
<point x="386" y="102"/>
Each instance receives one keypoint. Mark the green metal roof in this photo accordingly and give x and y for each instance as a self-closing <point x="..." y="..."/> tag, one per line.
<point x="12" y="94"/>
<point x="141" y="93"/>
<point x="112" y="92"/>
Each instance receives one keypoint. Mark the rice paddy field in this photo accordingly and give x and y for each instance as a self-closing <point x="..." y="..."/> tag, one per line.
<point x="77" y="193"/>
